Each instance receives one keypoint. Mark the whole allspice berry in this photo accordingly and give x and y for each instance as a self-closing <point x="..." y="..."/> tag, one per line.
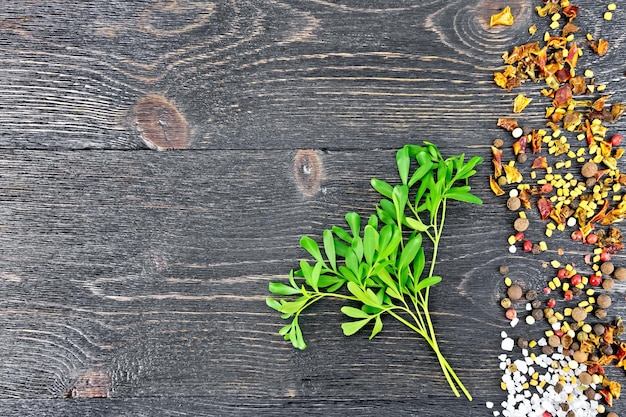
<point x="514" y="292"/>
<point x="620" y="273"/>
<point x="589" y="169"/>
<point x="521" y="225"/>
<point x="608" y="284"/>
<point x="579" y="314"/>
<point x="603" y="301"/>
<point x="607" y="268"/>
<point x="513" y="203"/>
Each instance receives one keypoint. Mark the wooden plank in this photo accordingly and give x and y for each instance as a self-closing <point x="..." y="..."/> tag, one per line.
<point x="141" y="276"/>
<point x="200" y="406"/>
<point x="137" y="274"/>
<point x="270" y="75"/>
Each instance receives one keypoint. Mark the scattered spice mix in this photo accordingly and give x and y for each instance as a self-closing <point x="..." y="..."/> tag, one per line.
<point x="564" y="178"/>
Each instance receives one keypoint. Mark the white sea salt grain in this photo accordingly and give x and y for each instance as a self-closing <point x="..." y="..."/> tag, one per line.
<point x="508" y="344"/>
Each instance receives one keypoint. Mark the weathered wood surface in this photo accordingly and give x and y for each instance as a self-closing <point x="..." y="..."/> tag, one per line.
<point x="140" y="276"/>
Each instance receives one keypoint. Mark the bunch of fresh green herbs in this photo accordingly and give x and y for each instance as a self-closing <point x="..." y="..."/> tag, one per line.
<point x="382" y="267"/>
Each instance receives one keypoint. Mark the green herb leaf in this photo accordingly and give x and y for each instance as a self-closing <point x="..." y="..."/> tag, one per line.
<point x="292" y="307"/>
<point x="351" y="327"/>
<point x="281" y="289"/>
<point x="367" y="297"/>
<point x="409" y="252"/>
<point x="427" y="282"/>
<point x="416" y="224"/>
<point x="354" y="313"/>
<point x="460" y="194"/>
<point x="312" y="247"/>
<point x="329" y="248"/>
<point x="382" y="187"/>
<point x="403" y="160"/>
<point x="354" y="221"/>
<point x="273" y="303"/>
<point x="370" y="242"/>
<point x="378" y="326"/>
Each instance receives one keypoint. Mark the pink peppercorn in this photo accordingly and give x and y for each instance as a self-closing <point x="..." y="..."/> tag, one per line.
<point x="568" y="295"/>
<point x="561" y="273"/>
<point x="576" y="279"/>
<point x="616" y="140"/>
<point x="519" y="236"/>
<point x="592" y="239"/>
<point x="510" y="314"/>
<point x="528" y="246"/>
<point x="577" y="235"/>
<point x="605" y="256"/>
<point x="547" y="290"/>
<point x="551" y="303"/>
<point x="595" y="280"/>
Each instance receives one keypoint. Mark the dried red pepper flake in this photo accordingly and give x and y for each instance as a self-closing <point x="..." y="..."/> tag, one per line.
<point x="600" y="47"/>
<point x="541" y="162"/>
<point x="563" y="96"/>
<point x="519" y="146"/>
<point x="606" y="396"/>
<point x="570" y="11"/>
<point x="507" y="124"/>
<point x="545" y="208"/>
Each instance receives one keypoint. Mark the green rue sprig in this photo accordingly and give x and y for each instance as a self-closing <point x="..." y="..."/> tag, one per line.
<point x="382" y="267"/>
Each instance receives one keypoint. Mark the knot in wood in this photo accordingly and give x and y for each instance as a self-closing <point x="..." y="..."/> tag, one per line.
<point x="160" y="124"/>
<point x="307" y="168"/>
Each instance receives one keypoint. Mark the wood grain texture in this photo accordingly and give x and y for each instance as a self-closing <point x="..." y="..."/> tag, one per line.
<point x="133" y="281"/>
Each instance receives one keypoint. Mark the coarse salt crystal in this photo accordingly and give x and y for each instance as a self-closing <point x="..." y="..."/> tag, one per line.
<point x="508" y="344"/>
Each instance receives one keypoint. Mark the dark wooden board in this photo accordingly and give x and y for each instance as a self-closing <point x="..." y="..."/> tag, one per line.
<point x="140" y="276"/>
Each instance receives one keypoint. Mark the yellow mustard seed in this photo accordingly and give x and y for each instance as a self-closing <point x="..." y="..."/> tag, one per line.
<point x="607" y="16"/>
<point x="588" y="74"/>
<point x="543" y="245"/>
<point x="601" y="87"/>
<point x="508" y="282"/>
<point x="611" y="6"/>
